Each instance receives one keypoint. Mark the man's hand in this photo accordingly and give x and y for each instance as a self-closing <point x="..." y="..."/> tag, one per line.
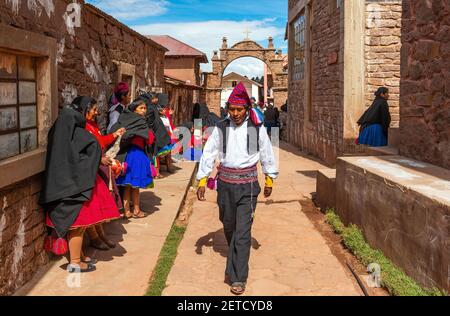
<point x="267" y="192"/>
<point x="201" y="193"/>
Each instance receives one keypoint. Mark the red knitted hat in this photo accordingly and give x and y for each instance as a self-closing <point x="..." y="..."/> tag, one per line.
<point x="239" y="96"/>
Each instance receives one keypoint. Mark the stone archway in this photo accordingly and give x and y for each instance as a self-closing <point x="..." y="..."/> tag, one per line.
<point x="270" y="56"/>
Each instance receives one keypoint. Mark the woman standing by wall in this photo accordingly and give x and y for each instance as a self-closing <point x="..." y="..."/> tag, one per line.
<point x="74" y="194"/>
<point x="374" y="123"/>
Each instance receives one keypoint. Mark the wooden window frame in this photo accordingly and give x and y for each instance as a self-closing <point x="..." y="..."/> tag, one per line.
<point x="18" y="104"/>
<point x="44" y="49"/>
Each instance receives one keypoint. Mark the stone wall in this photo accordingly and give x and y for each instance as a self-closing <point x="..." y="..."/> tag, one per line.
<point x="425" y="82"/>
<point x="87" y="61"/>
<point x="247" y="48"/>
<point x="22" y="233"/>
<point x="355" y="48"/>
<point x="382" y="52"/>
<point x="320" y="132"/>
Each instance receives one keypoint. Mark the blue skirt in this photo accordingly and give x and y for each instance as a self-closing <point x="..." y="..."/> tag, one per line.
<point x="138" y="173"/>
<point x="373" y="135"/>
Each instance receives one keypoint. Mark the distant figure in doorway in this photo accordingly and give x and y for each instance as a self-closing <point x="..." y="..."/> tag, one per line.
<point x="374" y="123"/>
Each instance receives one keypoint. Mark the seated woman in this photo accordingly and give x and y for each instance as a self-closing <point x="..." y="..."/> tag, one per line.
<point x="74" y="194"/>
<point x="374" y="123"/>
<point x="135" y="150"/>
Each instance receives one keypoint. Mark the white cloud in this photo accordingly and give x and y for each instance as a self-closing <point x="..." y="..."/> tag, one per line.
<point x="207" y="36"/>
<point x="133" y="9"/>
<point x="246" y="66"/>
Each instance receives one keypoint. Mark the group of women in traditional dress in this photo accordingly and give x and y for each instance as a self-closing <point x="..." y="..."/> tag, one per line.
<point x="90" y="177"/>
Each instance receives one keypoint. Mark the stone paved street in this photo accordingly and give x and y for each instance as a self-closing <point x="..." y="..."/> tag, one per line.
<point x="289" y="256"/>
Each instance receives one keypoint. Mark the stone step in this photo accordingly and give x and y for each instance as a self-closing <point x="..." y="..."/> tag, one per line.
<point x="382" y="151"/>
<point x="403" y="208"/>
<point x="326" y="188"/>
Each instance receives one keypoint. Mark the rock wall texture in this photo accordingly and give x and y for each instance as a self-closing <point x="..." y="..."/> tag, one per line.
<point x="88" y="55"/>
<point x="382" y="52"/>
<point x="317" y="127"/>
<point x="425" y="82"/>
<point x="316" y="123"/>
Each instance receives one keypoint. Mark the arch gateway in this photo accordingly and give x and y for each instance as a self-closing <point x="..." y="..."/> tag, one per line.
<point x="270" y="56"/>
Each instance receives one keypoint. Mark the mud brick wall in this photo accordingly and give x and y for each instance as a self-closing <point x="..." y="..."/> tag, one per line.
<point x="382" y="52"/>
<point x="320" y="133"/>
<point x="425" y="82"/>
<point x="22" y="233"/>
<point x="85" y="66"/>
<point x="87" y="55"/>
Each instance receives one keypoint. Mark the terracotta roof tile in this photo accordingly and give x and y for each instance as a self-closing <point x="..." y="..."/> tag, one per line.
<point x="177" y="48"/>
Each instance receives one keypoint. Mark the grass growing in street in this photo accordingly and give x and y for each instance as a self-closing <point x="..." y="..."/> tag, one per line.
<point x="165" y="261"/>
<point x="392" y="278"/>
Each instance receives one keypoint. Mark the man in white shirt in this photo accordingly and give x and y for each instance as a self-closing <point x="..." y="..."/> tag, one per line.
<point x="240" y="142"/>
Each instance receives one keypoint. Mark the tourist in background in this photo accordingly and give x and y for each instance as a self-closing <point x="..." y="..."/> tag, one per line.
<point x="374" y="123"/>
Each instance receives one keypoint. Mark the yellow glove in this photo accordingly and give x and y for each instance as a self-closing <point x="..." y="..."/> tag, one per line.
<point x="202" y="182"/>
<point x="269" y="182"/>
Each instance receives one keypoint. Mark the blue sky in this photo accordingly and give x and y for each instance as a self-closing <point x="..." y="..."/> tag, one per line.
<point x="203" y="23"/>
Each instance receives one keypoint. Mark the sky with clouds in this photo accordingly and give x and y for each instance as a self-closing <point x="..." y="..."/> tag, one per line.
<point x="203" y="23"/>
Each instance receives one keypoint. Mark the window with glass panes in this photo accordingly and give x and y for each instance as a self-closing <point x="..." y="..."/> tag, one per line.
<point x="298" y="71"/>
<point x="18" y="112"/>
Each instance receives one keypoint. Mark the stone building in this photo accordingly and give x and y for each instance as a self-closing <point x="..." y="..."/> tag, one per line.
<point x="181" y="98"/>
<point x="182" y="73"/>
<point x="425" y="83"/>
<point x="340" y="52"/>
<point x="399" y="197"/>
<point x="272" y="57"/>
<point x="51" y="51"/>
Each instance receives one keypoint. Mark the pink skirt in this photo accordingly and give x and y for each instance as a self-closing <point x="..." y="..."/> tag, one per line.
<point x="100" y="208"/>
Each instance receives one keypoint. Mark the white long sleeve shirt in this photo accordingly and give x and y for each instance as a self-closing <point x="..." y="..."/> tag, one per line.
<point x="237" y="155"/>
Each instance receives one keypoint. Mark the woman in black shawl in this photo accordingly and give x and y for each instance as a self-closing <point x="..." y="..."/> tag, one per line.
<point x="134" y="150"/>
<point x="74" y="195"/>
<point x="374" y="123"/>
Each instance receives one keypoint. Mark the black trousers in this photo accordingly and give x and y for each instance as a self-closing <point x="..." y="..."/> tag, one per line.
<point x="237" y="205"/>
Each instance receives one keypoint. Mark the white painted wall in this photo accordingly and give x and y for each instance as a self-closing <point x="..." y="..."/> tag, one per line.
<point x="227" y="89"/>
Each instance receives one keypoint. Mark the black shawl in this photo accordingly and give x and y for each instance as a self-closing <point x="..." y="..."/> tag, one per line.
<point x="135" y="124"/>
<point x="73" y="159"/>
<point x="162" y="137"/>
<point x="377" y="113"/>
<point x="202" y="112"/>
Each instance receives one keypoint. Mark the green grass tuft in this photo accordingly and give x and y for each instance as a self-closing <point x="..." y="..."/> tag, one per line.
<point x="165" y="261"/>
<point x="392" y="278"/>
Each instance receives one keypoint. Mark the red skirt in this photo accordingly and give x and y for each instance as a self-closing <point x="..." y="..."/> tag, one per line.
<point x="100" y="208"/>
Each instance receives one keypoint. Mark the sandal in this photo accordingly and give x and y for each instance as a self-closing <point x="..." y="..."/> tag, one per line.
<point x="127" y="215"/>
<point x="140" y="215"/>
<point x="238" y="288"/>
<point x="90" y="260"/>
<point x="75" y="268"/>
